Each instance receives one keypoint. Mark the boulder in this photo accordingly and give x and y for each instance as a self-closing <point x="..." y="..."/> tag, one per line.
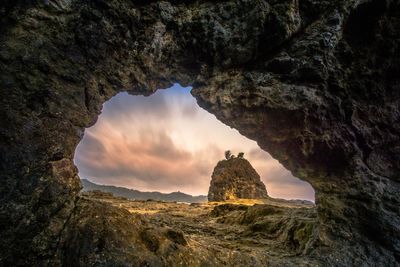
<point x="235" y="178"/>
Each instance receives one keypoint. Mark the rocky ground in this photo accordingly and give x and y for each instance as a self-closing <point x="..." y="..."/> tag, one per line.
<point x="234" y="233"/>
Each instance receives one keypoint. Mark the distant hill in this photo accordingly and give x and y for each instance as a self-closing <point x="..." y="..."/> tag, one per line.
<point x="138" y="195"/>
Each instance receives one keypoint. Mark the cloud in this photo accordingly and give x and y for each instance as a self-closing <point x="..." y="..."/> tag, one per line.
<point x="259" y="154"/>
<point x="126" y="104"/>
<point x="189" y="110"/>
<point x="166" y="142"/>
<point x="150" y="161"/>
<point x="92" y="145"/>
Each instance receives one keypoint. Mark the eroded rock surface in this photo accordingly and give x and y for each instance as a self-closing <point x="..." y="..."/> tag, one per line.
<point x="234" y="233"/>
<point x="235" y="178"/>
<point x="315" y="83"/>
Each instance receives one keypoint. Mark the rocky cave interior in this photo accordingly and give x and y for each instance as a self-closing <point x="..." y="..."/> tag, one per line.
<point x="309" y="65"/>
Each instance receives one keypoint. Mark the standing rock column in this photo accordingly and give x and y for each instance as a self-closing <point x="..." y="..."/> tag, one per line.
<point x="235" y="178"/>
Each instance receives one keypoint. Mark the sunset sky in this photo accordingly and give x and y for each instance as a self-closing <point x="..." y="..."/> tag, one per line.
<point x="166" y="142"/>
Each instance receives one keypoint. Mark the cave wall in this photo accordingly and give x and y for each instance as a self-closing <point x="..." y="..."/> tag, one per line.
<point x="315" y="83"/>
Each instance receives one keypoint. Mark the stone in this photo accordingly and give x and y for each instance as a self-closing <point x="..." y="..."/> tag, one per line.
<point x="176" y="236"/>
<point x="208" y="234"/>
<point x="329" y="113"/>
<point x="235" y="178"/>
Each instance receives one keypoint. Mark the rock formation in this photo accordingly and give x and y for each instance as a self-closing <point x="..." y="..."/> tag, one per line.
<point x="315" y="83"/>
<point x="235" y="178"/>
<point x="198" y="235"/>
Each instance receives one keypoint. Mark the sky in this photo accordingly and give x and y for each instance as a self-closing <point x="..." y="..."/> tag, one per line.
<point x="167" y="143"/>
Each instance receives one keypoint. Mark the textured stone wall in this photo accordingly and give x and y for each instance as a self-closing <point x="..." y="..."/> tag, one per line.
<point x="315" y="83"/>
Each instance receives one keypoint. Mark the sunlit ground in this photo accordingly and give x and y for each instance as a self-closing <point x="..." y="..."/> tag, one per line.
<point x="167" y="143"/>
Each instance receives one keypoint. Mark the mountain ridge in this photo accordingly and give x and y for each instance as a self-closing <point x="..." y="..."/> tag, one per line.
<point x="140" y="195"/>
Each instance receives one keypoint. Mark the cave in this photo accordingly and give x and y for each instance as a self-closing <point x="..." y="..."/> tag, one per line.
<point x="299" y="65"/>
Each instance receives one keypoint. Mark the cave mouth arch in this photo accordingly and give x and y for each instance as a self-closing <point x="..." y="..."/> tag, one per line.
<point x="165" y="142"/>
<point x="294" y="66"/>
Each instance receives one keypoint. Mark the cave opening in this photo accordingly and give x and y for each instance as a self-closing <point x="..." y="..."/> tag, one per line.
<point x="167" y="143"/>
